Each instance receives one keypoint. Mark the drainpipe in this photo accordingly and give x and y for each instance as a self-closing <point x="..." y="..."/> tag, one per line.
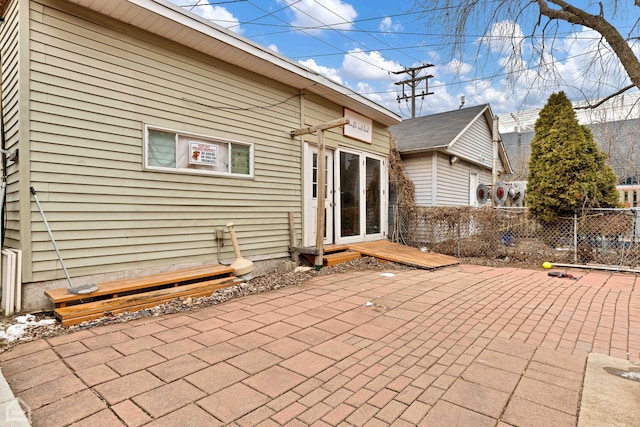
<point x="3" y="147"/>
<point x="494" y="165"/>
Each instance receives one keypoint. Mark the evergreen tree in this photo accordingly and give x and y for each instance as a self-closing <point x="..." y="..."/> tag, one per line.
<point x="567" y="170"/>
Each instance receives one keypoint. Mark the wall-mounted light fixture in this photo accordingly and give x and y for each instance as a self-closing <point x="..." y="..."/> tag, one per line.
<point x="453" y="159"/>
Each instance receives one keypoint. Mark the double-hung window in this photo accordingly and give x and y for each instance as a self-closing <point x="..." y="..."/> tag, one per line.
<point x="173" y="151"/>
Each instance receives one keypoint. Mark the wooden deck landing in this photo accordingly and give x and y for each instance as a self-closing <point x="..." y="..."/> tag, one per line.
<point x="401" y="254"/>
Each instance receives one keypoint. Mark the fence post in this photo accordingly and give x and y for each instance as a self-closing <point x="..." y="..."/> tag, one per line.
<point x="458" y="231"/>
<point x="575" y="238"/>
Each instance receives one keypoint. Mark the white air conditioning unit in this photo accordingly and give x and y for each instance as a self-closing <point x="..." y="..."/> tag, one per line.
<point x="11" y="281"/>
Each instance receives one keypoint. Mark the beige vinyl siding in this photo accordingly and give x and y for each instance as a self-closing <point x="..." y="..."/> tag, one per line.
<point x="475" y="143"/>
<point x="318" y="111"/>
<point x="419" y="169"/>
<point x="10" y="36"/>
<point x="95" y="84"/>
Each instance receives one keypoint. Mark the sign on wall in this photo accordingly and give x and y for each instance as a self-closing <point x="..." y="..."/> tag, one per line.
<point x="359" y="126"/>
<point x="203" y="154"/>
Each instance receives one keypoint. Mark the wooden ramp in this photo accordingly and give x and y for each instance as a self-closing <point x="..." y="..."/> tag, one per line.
<point x="136" y="293"/>
<point x="401" y="254"/>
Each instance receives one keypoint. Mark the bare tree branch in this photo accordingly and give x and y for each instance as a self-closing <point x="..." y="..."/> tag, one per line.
<point x="606" y="98"/>
<point x="613" y="37"/>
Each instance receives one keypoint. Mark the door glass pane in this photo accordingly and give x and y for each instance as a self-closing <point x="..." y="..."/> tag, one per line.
<point x="373" y="196"/>
<point x="314" y="184"/>
<point x="349" y="194"/>
<point x="314" y="177"/>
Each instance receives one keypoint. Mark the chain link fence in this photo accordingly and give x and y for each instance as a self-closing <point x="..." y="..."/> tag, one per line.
<point x="608" y="236"/>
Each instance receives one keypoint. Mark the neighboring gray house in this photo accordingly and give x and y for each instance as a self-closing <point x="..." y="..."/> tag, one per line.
<point x="145" y="128"/>
<point x="447" y="155"/>
<point x="620" y="140"/>
<point x="615" y="124"/>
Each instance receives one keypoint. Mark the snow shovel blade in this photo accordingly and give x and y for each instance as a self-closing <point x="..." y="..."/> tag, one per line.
<point x="82" y="289"/>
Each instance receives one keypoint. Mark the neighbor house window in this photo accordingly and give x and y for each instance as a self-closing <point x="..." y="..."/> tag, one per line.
<point x="169" y="150"/>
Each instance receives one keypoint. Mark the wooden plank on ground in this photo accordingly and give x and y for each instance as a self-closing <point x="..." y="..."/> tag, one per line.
<point x="92" y="310"/>
<point x="60" y="297"/>
<point x="339" y="257"/>
<point x="397" y="252"/>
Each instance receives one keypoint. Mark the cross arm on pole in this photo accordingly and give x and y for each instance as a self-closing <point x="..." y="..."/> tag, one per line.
<point x="311" y="129"/>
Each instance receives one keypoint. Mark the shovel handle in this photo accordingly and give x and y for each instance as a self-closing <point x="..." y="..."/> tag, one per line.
<point x="53" y="241"/>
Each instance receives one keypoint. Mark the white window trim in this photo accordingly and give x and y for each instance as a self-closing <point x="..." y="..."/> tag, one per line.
<point x="213" y="139"/>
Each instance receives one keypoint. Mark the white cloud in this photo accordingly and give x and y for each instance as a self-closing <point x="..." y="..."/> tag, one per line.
<point x="319" y="13"/>
<point x="504" y="37"/>
<point x="216" y="14"/>
<point x="330" y="73"/>
<point x="439" y="101"/>
<point x="273" y="47"/>
<point x="456" y="67"/>
<point x="370" y="92"/>
<point x="388" y="25"/>
<point x="368" y="66"/>
<point x="590" y="63"/>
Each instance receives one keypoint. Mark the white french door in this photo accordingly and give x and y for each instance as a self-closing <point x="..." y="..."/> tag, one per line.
<point x="356" y="199"/>
<point x="311" y="195"/>
<point x="361" y="202"/>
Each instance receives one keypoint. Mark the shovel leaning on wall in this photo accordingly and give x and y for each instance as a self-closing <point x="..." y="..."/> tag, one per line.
<point x="79" y="290"/>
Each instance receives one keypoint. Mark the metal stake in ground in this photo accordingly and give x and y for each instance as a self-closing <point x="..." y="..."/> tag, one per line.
<point x="81" y="289"/>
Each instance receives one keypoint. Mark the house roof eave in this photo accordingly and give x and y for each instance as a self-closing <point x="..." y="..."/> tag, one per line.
<point x="423" y="150"/>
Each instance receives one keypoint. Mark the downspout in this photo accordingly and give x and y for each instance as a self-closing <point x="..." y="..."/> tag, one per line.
<point x="3" y="147"/>
<point x="494" y="164"/>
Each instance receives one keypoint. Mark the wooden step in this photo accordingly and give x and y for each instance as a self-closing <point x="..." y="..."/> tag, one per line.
<point x="73" y="314"/>
<point x="339" y="257"/>
<point x="106" y="290"/>
<point x="329" y="249"/>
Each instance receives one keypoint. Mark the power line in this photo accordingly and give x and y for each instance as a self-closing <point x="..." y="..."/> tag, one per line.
<point x="369" y="33"/>
<point x="318" y="38"/>
<point x="341" y="34"/>
<point x="338" y="51"/>
<point x="310" y="30"/>
<point x="210" y="3"/>
<point x="264" y="16"/>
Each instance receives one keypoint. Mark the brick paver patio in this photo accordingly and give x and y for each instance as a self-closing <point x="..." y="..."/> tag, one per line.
<point x="461" y="346"/>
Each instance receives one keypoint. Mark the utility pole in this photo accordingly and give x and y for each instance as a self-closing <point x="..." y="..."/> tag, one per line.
<point x="413" y="84"/>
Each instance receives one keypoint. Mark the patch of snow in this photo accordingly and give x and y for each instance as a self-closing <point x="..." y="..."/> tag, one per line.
<point x="631" y="375"/>
<point x="388" y="275"/>
<point x="16" y="330"/>
<point x="299" y="269"/>
<point x="368" y="304"/>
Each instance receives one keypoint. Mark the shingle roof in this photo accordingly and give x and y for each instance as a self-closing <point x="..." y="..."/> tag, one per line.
<point x="436" y="130"/>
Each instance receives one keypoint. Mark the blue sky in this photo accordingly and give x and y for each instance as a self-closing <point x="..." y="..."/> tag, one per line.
<point x="361" y="43"/>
